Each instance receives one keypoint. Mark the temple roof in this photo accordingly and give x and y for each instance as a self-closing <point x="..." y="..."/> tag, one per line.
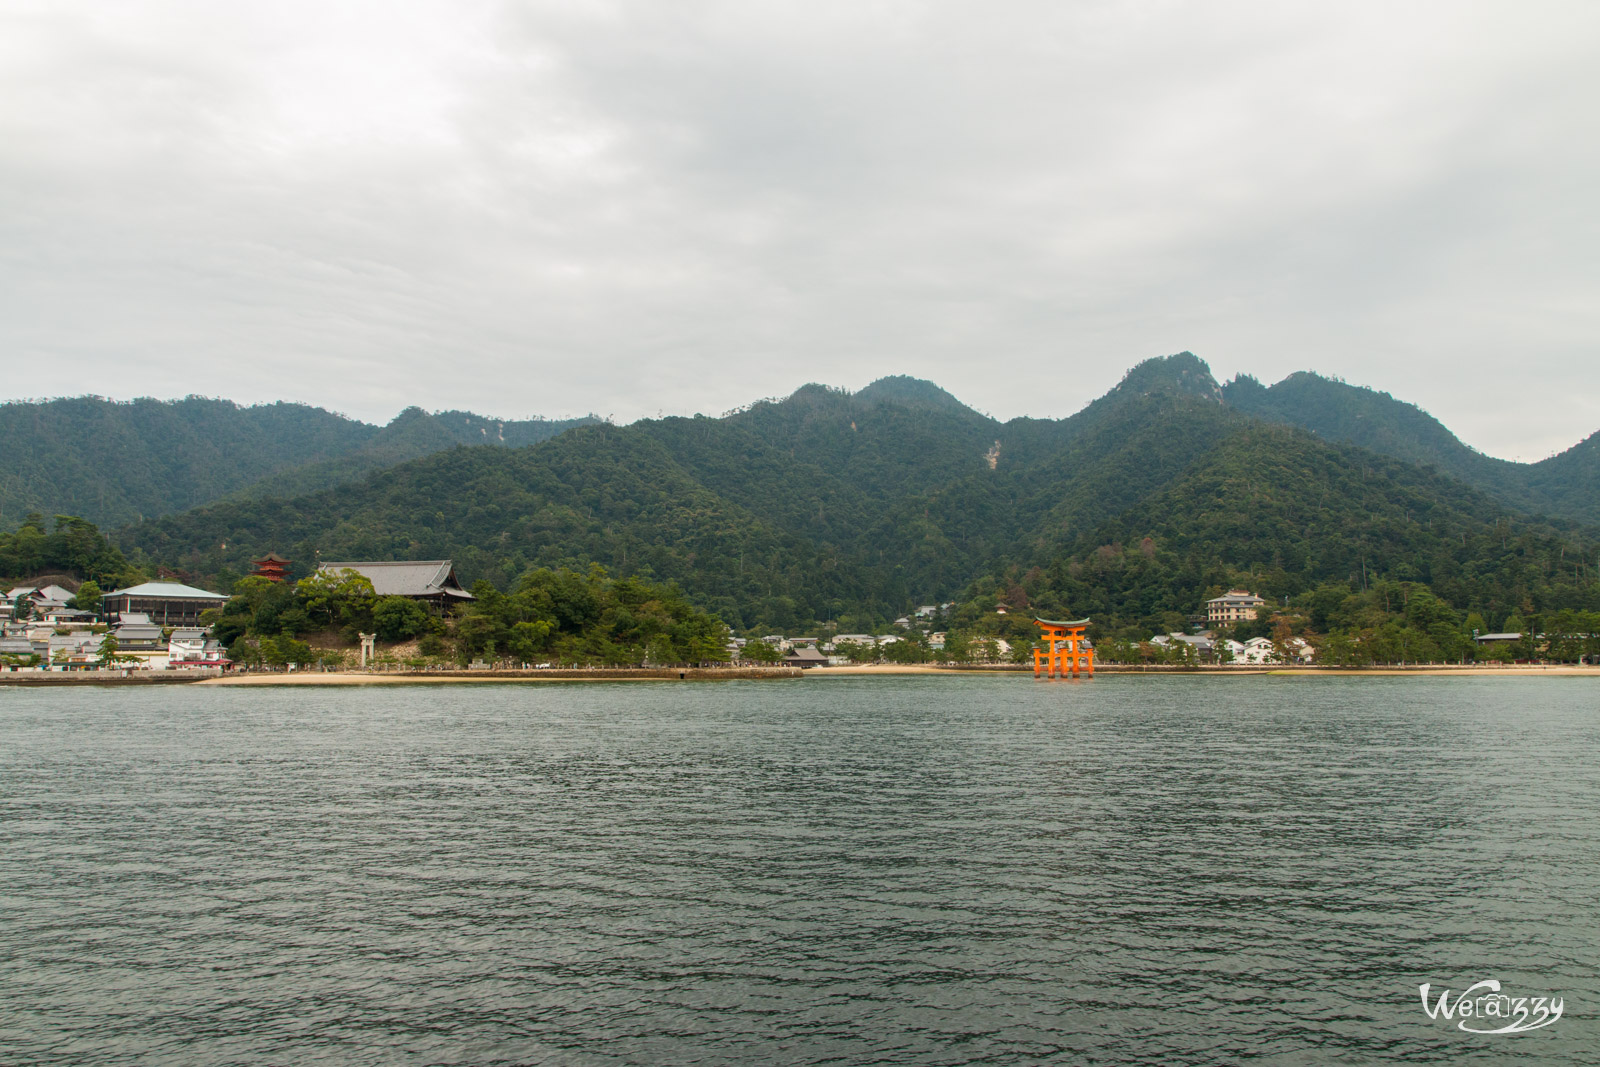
<point x="171" y="590"/>
<point x="432" y="577"/>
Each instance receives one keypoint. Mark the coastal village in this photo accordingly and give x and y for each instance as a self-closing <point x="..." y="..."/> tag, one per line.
<point x="170" y="626"/>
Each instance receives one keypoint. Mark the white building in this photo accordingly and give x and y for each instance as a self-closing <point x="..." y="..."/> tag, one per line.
<point x="190" y="647"/>
<point x="1233" y="607"/>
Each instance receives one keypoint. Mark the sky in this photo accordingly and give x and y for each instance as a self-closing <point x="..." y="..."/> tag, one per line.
<point x="632" y="208"/>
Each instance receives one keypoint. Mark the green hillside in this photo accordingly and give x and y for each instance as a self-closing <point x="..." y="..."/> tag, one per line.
<point x="1566" y="485"/>
<point x="413" y="433"/>
<point x="115" y="462"/>
<point x="847" y="508"/>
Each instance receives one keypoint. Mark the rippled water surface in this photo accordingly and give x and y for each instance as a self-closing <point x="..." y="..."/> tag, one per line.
<point x="949" y="870"/>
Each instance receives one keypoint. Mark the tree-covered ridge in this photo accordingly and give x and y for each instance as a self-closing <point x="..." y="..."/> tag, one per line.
<point x="411" y="434"/>
<point x="67" y="545"/>
<point x="116" y="462"/>
<point x="828" y="508"/>
<point x="1282" y="513"/>
<point x="1566" y="485"/>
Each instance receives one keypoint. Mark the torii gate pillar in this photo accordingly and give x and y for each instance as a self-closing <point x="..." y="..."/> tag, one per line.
<point x="1068" y="649"/>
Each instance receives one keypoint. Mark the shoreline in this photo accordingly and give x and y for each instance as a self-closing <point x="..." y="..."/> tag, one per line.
<point x="576" y="674"/>
<point x="1530" y="670"/>
<point x="712" y="674"/>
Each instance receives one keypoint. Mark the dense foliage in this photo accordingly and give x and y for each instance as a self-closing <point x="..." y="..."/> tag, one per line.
<point x="118" y="462"/>
<point x="1562" y="485"/>
<point x="559" y="616"/>
<point x="580" y="618"/>
<point x="70" y="546"/>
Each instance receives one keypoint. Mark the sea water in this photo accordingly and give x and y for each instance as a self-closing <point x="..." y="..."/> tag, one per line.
<point x="919" y="870"/>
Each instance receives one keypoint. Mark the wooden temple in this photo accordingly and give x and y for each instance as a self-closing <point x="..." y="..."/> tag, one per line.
<point x="272" y="567"/>
<point x="1069" y="649"/>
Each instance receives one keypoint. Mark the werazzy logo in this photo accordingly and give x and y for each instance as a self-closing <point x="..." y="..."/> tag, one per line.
<point x="1483" y="1009"/>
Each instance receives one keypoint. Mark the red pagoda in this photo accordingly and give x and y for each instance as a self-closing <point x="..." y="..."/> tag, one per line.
<point x="272" y="567"/>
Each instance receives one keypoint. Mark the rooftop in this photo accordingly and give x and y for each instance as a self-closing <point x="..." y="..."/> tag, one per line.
<point x="169" y="590"/>
<point x="431" y="577"/>
<point x="1237" y="596"/>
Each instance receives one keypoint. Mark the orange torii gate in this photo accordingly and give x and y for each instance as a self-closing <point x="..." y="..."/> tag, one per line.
<point x="1069" y="649"/>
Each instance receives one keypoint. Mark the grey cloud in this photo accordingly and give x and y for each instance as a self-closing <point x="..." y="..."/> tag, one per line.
<point x="632" y="207"/>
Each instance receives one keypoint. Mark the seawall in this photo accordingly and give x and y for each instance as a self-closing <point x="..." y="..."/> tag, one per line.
<point x="109" y="677"/>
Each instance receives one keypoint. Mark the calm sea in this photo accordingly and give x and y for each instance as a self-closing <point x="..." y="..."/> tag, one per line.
<point x="951" y="870"/>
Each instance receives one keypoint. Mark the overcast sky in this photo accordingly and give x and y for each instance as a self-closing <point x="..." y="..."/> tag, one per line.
<point x="632" y="207"/>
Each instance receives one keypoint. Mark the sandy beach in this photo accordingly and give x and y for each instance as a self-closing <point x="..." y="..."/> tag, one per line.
<point x="599" y="674"/>
<point x="860" y="670"/>
<point x="1515" y="671"/>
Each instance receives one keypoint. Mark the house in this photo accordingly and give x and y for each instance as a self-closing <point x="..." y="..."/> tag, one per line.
<point x="849" y="639"/>
<point x="805" y="656"/>
<point x="193" y="647"/>
<point x="1233" y="607"/>
<point x="42" y="600"/>
<point x="990" y="649"/>
<point x="40" y="594"/>
<point x="136" y="635"/>
<point x="163" y="603"/>
<point x="432" y="581"/>
<point x="1300" y="650"/>
<point x="20" y="649"/>
<point x="936" y="641"/>
<point x="1202" y="645"/>
<point x="903" y="622"/>
<point x="927" y="611"/>
<point x="1258" y="650"/>
<point x="67" y="650"/>
<point x="65" y="616"/>
<point x="1496" y="639"/>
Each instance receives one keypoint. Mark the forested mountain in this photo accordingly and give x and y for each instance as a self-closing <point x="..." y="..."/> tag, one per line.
<point x="829" y="506"/>
<point x="1566" y="485"/>
<point x="115" y="462"/>
<point x="413" y="433"/>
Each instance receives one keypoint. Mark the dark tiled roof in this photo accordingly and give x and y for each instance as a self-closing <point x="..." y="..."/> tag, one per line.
<point x="433" y="577"/>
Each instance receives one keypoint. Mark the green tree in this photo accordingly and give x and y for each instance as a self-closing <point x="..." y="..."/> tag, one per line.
<point x="702" y="638"/>
<point x="342" y="598"/>
<point x="527" y="639"/>
<point x="110" y="655"/>
<point x="88" y="597"/>
<point x="760" y="652"/>
<point x="398" y="618"/>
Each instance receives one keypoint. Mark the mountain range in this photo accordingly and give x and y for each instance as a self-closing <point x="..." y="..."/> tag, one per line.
<point x="850" y="508"/>
<point x="115" y="462"/>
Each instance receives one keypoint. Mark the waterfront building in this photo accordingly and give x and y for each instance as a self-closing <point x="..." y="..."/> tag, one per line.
<point x="192" y="647"/>
<point x="163" y="603"/>
<point x="805" y="656"/>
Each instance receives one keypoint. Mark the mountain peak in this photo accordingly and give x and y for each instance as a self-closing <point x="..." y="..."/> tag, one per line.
<point x="909" y="392"/>
<point x="1184" y="372"/>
